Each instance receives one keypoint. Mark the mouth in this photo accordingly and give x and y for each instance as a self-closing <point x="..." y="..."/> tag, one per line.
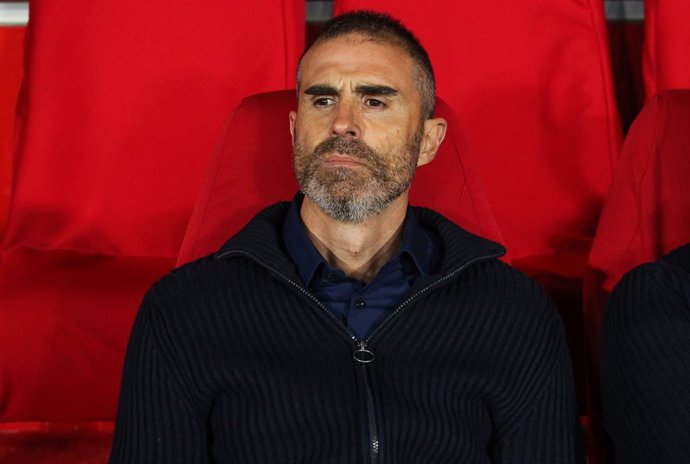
<point x="341" y="160"/>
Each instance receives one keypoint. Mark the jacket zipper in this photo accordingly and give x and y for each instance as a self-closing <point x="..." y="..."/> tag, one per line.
<point x="362" y="354"/>
<point x="372" y="426"/>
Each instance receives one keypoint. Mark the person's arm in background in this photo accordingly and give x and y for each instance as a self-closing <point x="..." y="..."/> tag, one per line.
<point x="645" y="365"/>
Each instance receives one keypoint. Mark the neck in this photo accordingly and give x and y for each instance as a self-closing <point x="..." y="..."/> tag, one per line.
<point x="361" y="249"/>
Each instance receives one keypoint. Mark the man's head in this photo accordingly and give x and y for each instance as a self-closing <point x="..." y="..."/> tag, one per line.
<point x="363" y="120"/>
<point x="382" y="28"/>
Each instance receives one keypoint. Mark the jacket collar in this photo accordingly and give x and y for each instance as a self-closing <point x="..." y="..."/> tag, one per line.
<point x="415" y="245"/>
<point x="260" y="239"/>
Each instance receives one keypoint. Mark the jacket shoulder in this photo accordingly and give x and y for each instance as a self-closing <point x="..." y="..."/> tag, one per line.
<point x="520" y="291"/>
<point x="650" y="292"/>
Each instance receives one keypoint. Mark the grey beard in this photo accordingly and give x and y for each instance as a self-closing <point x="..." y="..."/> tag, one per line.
<point x="352" y="208"/>
<point x="350" y="196"/>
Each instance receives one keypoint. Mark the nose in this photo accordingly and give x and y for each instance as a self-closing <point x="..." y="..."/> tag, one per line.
<point x="346" y="122"/>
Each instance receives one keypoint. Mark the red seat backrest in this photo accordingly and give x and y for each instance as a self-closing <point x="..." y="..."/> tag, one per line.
<point x="11" y="40"/>
<point x="647" y="211"/>
<point x="254" y="169"/>
<point x="123" y="104"/>
<point x="531" y="84"/>
<point x="666" y="48"/>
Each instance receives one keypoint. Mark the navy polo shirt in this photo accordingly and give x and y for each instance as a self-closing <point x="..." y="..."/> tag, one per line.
<point x="360" y="306"/>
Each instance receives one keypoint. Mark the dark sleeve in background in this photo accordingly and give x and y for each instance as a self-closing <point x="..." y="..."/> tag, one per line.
<point x="645" y="365"/>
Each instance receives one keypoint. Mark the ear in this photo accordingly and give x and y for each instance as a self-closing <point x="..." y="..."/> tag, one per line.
<point x="434" y="132"/>
<point x="293" y="117"/>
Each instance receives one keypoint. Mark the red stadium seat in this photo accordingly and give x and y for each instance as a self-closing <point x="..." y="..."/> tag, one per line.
<point x="531" y="83"/>
<point x="666" y="49"/>
<point x="646" y="213"/>
<point x="124" y="101"/>
<point x="254" y="169"/>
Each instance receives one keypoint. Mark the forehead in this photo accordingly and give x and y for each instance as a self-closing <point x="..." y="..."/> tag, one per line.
<point x="357" y="57"/>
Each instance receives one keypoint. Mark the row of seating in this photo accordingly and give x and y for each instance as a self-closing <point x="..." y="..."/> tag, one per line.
<point x="120" y="115"/>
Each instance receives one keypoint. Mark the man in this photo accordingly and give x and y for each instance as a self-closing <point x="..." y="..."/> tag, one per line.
<point x="346" y="326"/>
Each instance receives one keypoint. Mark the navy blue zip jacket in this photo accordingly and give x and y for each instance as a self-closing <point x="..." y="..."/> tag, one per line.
<point x="232" y="360"/>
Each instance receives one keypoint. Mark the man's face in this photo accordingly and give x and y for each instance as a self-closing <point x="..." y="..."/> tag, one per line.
<point x="358" y="126"/>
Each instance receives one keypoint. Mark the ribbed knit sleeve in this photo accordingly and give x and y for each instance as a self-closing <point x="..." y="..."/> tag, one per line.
<point x="546" y="431"/>
<point x="645" y="366"/>
<point x="154" y="423"/>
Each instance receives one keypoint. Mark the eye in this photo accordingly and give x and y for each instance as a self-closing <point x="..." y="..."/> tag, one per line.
<point x="374" y="103"/>
<point x="323" y="102"/>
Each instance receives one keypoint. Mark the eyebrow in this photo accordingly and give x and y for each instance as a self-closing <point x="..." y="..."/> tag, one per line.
<point x="364" y="89"/>
<point x="383" y="90"/>
<point x="321" y="90"/>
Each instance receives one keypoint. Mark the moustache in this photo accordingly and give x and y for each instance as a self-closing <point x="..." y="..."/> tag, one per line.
<point x="347" y="146"/>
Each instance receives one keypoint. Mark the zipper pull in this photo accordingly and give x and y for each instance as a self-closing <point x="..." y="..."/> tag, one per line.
<point x="362" y="354"/>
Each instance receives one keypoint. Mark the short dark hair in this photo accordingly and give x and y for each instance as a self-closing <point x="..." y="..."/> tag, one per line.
<point x="383" y="28"/>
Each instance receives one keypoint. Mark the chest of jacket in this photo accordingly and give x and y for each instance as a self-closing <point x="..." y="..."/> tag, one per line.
<point x="278" y="362"/>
